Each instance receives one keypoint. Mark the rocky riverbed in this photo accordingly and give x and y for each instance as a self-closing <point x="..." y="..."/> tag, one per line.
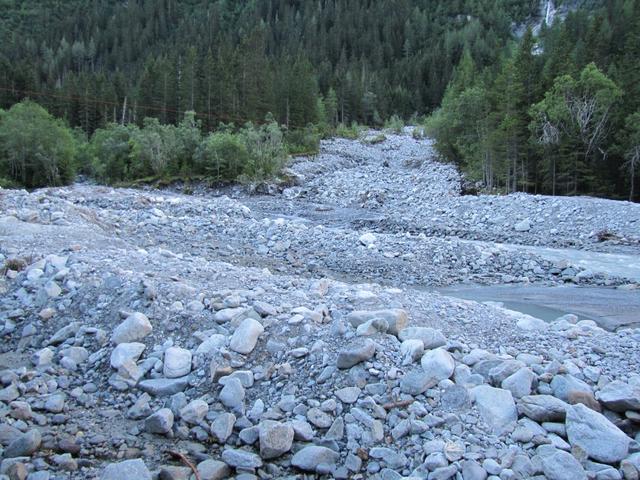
<point x="153" y="334"/>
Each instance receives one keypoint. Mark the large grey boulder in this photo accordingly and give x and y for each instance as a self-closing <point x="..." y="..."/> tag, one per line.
<point x="213" y="470"/>
<point x="239" y="458"/>
<point x="194" y="412"/>
<point x="560" y="465"/>
<point x="563" y="384"/>
<point x="177" y="362"/>
<point x="24" y="445"/>
<point x="496" y="406"/>
<point x="160" y="422"/>
<point x="245" y="338"/>
<point x="397" y="319"/>
<point x="135" y="327"/>
<point x="275" y="438"/>
<point x="348" y="395"/>
<point x="438" y="364"/>
<point x="222" y="426"/>
<point x="600" y="439"/>
<point x="431" y="338"/>
<point x="523" y="225"/>
<point x="416" y="382"/>
<point x="543" y="408"/>
<point x="619" y="396"/>
<point x="519" y="383"/>
<point x="472" y="470"/>
<point x="126" y="470"/>
<point x="126" y="353"/>
<point x="162" y="387"/>
<point x="232" y="394"/>
<point x="411" y="351"/>
<point x="310" y="457"/>
<point x="355" y="353"/>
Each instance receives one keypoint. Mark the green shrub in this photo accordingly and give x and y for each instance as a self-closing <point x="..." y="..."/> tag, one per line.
<point x="187" y="138"/>
<point x="111" y="150"/>
<point x="155" y="146"/>
<point x="304" y="141"/>
<point x="395" y="124"/>
<point x="267" y="152"/>
<point x="419" y="132"/>
<point x="36" y="150"/>
<point x="222" y="155"/>
<point x="353" y="132"/>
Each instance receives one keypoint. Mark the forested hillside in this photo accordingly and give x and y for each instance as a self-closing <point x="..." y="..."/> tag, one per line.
<point x="558" y="113"/>
<point x="238" y="60"/>
<point x="330" y="62"/>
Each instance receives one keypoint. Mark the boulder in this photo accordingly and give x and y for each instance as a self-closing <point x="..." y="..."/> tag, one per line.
<point x="562" y="385"/>
<point x="194" y="412"/>
<point x="126" y="353"/>
<point x="275" y="438"/>
<point x="24" y="445"/>
<point x="560" y="465"/>
<point x="600" y="439"/>
<point x="519" y="383"/>
<point x="438" y="364"/>
<point x="523" y="226"/>
<point x="213" y="470"/>
<point x="245" y="338"/>
<point x="431" y="338"/>
<point x="129" y="469"/>
<point x="136" y="327"/>
<point x="367" y="239"/>
<point x="355" y="353"/>
<point x="239" y="458"/>
<point x="411" y="351"/>
<point x="177" y="362"/>
<point x="222" y="426"/>
<point x="160" y="422"/>
<point x="348" y="395"/>
<point x="397" y="319"/>
<point x="543" y="408"/>
<point x="232" y="394"/>
<point x="619" y="396"/>
<point x="416" y="382"/>
<point x="496" y="406"/>
<point x="162" y="387"/>
<point x="310" y="457"/>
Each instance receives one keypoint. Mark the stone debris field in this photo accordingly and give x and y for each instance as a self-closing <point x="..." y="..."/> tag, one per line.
<point x="153" y="334"/>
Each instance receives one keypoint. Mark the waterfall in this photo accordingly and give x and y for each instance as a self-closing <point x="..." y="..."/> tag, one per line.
<point x="550" y="13"/>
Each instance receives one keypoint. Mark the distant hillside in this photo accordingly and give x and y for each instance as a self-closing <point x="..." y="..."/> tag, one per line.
<point x="239" y="59"/>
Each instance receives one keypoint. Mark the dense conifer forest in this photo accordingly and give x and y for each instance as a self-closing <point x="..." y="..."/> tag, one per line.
<point x="167" y="87"/>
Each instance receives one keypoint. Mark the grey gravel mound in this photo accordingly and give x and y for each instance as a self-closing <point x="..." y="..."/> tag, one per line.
<point x="136" y="322"/>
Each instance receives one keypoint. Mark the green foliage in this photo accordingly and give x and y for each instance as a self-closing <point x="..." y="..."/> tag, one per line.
<point x="303" y="141"/>
<point x="111" y="156"/>
<point x="541" y="118"/>
<point x="222" y="155"/>
<point x="36" y="150"/>
<point x="121" y="62"/>
<point x="155" y="146"/>
<point x="267" y="152"/>
<point x="631" y="145"/>
<point x="578" y="112"/>
<point x="419" y="132"/>
<point x="394" y="124"/>
<point x="352" y="132"/>
<point x="188" y="136"/>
